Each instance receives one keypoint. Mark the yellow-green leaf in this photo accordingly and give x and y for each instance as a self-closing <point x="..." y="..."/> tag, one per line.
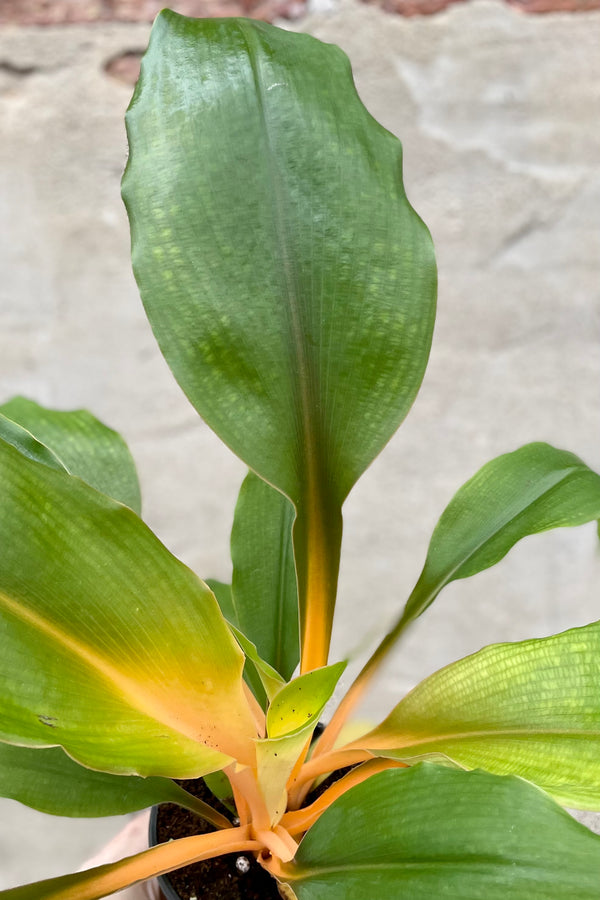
<point x="530" y="708"/>
<point x="271" y="680"/>
<point x="291" y="718"/>
<point x="109" y="647"/>
<point x="301" y="702"/>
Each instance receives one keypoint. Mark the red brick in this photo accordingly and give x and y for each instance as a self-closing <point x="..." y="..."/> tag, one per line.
<point x="413" y="7"/>
<point x="60" y="12"/>
<point x="549" y="6"/>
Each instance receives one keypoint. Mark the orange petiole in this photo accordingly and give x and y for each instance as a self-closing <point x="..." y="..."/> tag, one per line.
<point x="244" y="784"/>
<point x="298" y="821"/>
<point x="323" y="765"/>
<point x="106" y="880"/>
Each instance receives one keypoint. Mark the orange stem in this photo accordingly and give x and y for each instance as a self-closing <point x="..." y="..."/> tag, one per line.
<point x="323" y="765"/>
<point x="245" y="781"/>
<point x="241" y="806"/>
<point x="108" y="879"/>
<point x="298" y="766"/>
<point x="300" y="820"/>
<point x="278" y="842"/>
<point x="350" y="701"/>
<point x="357" y="689"/>
<point x="317" y="537"/>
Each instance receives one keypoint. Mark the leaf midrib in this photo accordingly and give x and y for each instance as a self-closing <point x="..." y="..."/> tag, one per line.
<point x="303" y="379"/>
<point x="441" y="582"/>
<point x="131" y="691"/>
<point x="467" y="862"/>
<point x="488" y="734"/>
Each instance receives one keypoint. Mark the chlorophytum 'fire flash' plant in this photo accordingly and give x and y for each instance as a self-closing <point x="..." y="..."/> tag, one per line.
<point x="291" y="288"/>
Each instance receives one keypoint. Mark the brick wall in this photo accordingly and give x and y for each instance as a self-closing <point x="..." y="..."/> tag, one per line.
<point x="59" y="12"/>
<point x="55" y="12"/>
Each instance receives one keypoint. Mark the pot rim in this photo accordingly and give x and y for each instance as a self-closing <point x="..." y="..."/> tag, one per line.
<point x="164" y="881"/>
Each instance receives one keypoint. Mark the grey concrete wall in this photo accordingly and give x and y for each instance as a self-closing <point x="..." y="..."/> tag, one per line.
<point x="498" y="113"/>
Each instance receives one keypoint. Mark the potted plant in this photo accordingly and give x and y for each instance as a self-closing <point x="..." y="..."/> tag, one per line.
<point x="291" y="288"/>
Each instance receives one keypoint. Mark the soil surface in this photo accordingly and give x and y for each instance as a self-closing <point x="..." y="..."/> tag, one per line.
<point x="234" y="876"/>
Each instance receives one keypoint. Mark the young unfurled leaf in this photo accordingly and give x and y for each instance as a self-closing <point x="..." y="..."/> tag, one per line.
<point x="291" y="205"/>
<point x="291" y="718"/>
<point x="109" y="646"/>
<point x="84" y="446"/>
<point x="301" y="702"/>
<point x="431" y="832"/>
<point x="530" y="708"/>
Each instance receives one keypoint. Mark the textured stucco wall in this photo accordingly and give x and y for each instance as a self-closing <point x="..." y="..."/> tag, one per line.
<point x="498" y="113"/>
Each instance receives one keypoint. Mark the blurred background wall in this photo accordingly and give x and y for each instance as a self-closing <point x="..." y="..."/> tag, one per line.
<point x="498" y="108"/>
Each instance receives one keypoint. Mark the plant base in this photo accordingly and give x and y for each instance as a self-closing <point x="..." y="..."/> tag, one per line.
<point x="231" y="877"/>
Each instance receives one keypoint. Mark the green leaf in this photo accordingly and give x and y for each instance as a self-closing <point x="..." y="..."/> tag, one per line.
<point x="25" y="442"/>
<point x="530" y="708"/>
<point x="220" y="786"/>
<point x="271" y="681"/>
<point x="301" y="702"/>
<point x="287" y="279"/>
<point x="222" y="594"/>
<point x="83" y="445"/>
<point x="262" y="679"/>
<point x="517" y="494"/>
<point x="430" y="832"/>
<point x="264" y="590"/>
<point x="109" y="646"/>
<point x="50" y="781"/>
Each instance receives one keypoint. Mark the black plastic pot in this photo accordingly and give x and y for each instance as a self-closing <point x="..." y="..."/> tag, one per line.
<point x="163" y="880"/>
<point x="251" y="882"/>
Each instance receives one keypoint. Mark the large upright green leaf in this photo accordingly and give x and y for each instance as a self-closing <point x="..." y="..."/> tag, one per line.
<point x="50" y="781"/>
<point x="531" y="708"/>
<point x="83" y="445"/>
<point x="109" y="647"/>
<point x="264" y="589"/>
<point x="288" y="281"/>
<point x="517" y="494"/>
<point x="428" y="832"/>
